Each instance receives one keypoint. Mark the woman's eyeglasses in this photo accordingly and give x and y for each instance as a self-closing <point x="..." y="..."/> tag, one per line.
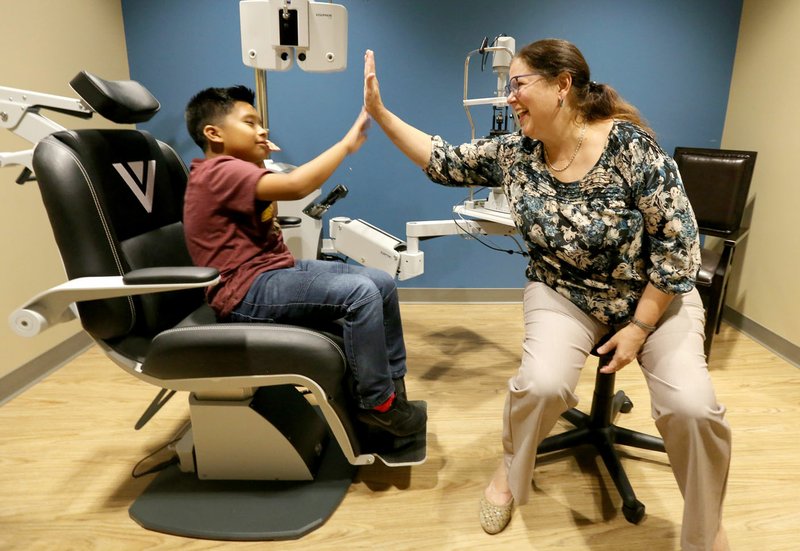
<point x="514" y="86"/>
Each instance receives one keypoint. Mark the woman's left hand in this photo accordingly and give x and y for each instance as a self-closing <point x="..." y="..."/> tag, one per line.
<point x="626" y="344"/>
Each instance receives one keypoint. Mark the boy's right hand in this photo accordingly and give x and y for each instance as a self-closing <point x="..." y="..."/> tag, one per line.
<point x="357" y="133"/>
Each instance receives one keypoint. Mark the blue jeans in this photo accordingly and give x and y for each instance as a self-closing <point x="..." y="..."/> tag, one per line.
<point x="365" y="298"/>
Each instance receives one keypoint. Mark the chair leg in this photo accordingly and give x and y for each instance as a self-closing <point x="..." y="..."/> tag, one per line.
<point x="565" y="440"/>
<point x="632" y="508"/>
<point x="155" y="406"/>
<point x="634" y="439"/>
<point x="717" y="292"/>
<point x="712" y="315"/>
<point x="721" y="307"/>
<point x="575" y="416"/>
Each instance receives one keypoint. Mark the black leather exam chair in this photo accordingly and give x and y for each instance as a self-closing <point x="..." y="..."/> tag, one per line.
<point x="273" y="445"/>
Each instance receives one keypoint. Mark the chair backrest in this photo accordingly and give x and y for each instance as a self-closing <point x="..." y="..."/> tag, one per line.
<point x="717" y="182"/>
<point x="115" y="200"/>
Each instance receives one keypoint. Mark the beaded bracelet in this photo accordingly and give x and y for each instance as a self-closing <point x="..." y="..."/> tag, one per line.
<point x="642" y="325"/>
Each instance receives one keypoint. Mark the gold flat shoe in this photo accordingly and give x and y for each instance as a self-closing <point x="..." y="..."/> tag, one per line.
<point x="494" y="518"/>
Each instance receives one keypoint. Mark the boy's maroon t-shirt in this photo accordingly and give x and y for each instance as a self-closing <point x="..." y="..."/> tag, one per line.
<point x="229" y="229"/>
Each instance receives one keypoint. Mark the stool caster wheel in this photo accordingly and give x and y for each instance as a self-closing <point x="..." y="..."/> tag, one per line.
<point x="627" y="405"/>
<point x="622" y="403"/>
<point x="634" y="514"/>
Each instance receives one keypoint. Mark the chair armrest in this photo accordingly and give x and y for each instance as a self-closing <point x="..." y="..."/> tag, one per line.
<point x="730" y="239"/>
<point x="53" y="306"/>
<point x="733" y="239"/>
<point x="289" y="221"/>
<point x="170" y="275"/>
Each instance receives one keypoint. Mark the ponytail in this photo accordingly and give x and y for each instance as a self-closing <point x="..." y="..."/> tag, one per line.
<point x="601" y="101"/>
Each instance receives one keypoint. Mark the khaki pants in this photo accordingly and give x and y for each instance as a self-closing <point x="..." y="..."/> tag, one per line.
<point x="558" y="338"/>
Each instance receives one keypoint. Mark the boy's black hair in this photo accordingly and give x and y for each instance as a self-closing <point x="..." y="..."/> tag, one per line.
<point x="210" y="105"/>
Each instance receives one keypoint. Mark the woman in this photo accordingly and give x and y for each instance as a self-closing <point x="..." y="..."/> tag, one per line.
<point x="613" y="247"/>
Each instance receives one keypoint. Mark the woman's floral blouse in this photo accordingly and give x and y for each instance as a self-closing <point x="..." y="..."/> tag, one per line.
<point x="597" y="241"/>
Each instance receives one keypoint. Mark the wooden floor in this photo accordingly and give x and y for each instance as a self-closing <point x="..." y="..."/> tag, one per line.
<point x="68" y="447"/>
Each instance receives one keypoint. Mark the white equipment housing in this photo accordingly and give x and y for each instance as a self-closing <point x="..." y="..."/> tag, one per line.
<point x="19" y="113"/>
<point x="375" y="248"/>
<point x="276" y="32"/>
<point x="371" y="246"/>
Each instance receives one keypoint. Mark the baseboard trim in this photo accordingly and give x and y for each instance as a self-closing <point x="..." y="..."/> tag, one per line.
<point x="30" y="373"/>
<point x="469" y="295"/>
<point x="776" y="344"/>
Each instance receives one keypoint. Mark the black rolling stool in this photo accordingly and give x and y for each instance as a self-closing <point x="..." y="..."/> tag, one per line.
<point x="596" y="429"/>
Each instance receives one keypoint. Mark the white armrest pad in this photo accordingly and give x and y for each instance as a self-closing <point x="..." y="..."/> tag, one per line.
<point x="53" y="306"/>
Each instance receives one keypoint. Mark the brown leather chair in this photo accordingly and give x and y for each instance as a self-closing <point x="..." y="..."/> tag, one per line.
<point x="717" y="182"/>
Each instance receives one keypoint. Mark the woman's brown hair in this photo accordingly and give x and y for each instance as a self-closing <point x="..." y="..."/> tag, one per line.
<point x="552" y="56"/>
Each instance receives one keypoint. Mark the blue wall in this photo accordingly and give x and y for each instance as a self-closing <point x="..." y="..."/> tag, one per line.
<point x="673" y="60"/>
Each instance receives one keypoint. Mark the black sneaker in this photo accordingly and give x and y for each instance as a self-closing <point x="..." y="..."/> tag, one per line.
<point x="402" y="419"/>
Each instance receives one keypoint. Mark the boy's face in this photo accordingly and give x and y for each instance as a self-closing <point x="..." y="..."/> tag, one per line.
<point x="240" y="134"/>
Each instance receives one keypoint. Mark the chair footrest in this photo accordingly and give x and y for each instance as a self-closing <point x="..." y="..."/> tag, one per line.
<point x="396" y="451"/>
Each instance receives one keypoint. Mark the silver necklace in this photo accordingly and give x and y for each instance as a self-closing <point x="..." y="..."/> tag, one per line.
<point x="574" y="153"/>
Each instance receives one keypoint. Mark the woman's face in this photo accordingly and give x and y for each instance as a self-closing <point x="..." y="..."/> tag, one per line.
<point x="533" y="98"/>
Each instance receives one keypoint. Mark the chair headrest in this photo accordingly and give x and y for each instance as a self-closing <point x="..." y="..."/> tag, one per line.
<point x="120" y="101"/>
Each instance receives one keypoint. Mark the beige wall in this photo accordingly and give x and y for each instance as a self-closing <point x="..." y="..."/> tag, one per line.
<point x="763" y="115"/>
<point x="43" y="44"/>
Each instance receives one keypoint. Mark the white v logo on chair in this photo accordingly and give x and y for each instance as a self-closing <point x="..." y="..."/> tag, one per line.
<point x="137" y="178"/>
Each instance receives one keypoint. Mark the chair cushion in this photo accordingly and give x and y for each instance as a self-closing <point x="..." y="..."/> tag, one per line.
<point x="120" y="101"/>
<point x="224" y="350"/>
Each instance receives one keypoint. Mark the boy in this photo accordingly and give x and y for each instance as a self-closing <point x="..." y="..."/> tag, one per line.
<point x="230" y="224"/>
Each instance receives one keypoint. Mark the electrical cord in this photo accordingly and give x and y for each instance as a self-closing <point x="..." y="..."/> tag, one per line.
<point x="490" y="245"/>
<point x="155" y="468"/>
<point x="483" y="52"/>
<point x="487" y="243"/>
<point x="159" y="466"/>
<point x="484" y="45"/>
